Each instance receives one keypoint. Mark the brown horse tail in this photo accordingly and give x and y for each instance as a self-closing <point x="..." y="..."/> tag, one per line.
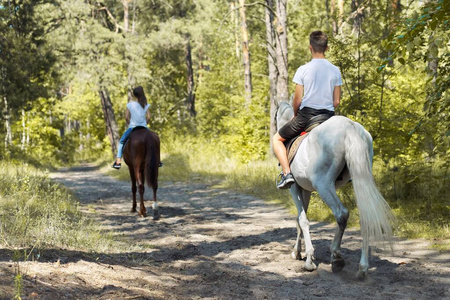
<point x="152" y="159"/>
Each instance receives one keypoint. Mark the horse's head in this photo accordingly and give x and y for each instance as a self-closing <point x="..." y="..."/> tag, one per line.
<point x="284" y="114"/>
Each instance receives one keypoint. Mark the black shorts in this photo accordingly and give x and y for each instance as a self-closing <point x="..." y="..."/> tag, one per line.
<point x="295" y="126"/>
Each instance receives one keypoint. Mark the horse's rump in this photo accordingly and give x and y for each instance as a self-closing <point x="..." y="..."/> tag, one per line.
<point x="152" y="159"/>
<point x="143" y="148"/>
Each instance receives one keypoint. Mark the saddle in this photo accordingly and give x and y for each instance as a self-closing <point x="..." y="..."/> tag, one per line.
<point x="293" y="144"/>
<point x="138" y="128"/>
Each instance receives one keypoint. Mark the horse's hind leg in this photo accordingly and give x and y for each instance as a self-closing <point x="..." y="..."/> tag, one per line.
<point x="327" y="192"/>
<point x="155" y="206"/>
<point x="301" y="200"/>
<point x="364" y="262"/>
<point x="140" y="180"/>
<point x="133" y="188"/>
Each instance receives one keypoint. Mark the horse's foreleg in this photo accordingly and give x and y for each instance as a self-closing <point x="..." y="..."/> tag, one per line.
<point x="297" y="252"/>
<point x="301" y="200"/>
<point x="309" y="249"/>
<point x="328" y="194"/>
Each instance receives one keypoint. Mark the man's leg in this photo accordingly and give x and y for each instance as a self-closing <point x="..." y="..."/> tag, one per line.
<point x="280" y="151"/>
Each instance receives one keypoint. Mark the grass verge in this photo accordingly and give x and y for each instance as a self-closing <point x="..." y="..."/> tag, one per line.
<point x="37" y="213"/>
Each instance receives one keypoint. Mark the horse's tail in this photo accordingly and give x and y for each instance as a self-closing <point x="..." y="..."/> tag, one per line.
<point x="152" y="159"/>
<point x="374" y="212"/>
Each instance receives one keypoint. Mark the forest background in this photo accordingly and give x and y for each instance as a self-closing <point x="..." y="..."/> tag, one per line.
<point x="214" y="71"/>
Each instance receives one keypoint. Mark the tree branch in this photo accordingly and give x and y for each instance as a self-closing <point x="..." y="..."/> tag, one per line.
<point x="111" y="17"/>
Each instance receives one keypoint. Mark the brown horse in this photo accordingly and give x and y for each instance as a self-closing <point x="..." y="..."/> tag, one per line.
<point x="142" y="155"/>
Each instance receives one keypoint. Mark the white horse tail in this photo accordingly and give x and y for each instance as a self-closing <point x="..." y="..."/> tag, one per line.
<point x="374" y="212"/>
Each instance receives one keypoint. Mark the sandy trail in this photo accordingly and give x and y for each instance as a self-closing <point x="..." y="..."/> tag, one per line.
<point x="215" y="244"/>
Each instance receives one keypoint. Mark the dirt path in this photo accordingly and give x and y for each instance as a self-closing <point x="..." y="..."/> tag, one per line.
<point x="217" y="244"/>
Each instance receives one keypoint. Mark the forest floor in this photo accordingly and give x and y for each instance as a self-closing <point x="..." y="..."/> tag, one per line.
<point x="215" y="244"/>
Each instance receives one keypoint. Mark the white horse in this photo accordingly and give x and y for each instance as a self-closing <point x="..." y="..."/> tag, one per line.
<point x="339" y="146"/>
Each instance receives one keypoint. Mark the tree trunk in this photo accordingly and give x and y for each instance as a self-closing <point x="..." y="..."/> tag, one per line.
<point x="234" y="22"/>
<point x="126" y="29"/>
<point x="126" y="15"/>
<point x="358" y="18"/>
<point x="282" y="51"/>
<point x="327" y="9"/>
<point x="24" y="131"/>
<point x="277" y="57"/>
<point x="333" y="17"/>
<point x="110" y="120"/>
<point x="190" y="100"/>
<point x="246" y="55"/>
<point x="7" y="115"/>
<point x="273" y="73"/>
<point x="133" y="26"/>
<point x="340" y="15"/>
<point x="337" y="16"/>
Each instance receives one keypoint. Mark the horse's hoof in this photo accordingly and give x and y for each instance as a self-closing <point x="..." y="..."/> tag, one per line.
<point x="156" y="214"/>
<point x="296" y="255"/>
<point x="360" y="275"/>
<point x="337" y="265"/>
<point x="310" y="266"/>
<point x="133" y="210"/>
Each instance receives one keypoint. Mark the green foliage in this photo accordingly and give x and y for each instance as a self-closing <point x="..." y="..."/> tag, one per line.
<point x="417" y="192"/>
<point x="424" y="37"/>
<point x="24" y="62"/>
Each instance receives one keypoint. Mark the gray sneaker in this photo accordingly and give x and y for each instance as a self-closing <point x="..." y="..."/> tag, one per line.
<point x="286" y="181"/>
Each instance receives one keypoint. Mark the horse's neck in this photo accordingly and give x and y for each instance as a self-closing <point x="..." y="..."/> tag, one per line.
<point x="286" y="112"/>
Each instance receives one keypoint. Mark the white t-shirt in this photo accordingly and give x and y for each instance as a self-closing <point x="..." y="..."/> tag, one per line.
<point x="318" y="77"/>
<point x="137" y="114"/>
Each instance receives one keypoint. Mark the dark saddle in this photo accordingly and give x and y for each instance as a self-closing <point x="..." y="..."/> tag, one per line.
<point x="138" y="128"/>
<point x="293" y="144"/>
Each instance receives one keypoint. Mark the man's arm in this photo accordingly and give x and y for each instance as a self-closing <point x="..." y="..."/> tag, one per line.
<point x="336" y="96"/>
<point x="298" y="95"/>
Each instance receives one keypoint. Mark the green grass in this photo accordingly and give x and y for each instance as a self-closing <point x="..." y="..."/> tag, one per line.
<point x="37" y="213"/>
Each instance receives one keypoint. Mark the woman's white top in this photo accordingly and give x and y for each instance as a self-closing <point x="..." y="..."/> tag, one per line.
<point x="137" y="114"/>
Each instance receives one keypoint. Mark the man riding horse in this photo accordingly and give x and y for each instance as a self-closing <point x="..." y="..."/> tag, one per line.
<point x="318" y="91"/>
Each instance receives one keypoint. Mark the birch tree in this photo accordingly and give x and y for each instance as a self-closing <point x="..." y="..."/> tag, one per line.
<point x="277" y="55"/>
<point x="246" y="54"/>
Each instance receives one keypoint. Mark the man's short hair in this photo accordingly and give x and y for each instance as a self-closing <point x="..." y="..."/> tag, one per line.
<point x="318" y="41"/>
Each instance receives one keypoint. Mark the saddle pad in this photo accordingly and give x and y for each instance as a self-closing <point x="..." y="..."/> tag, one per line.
<point x="293" y="147"/>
